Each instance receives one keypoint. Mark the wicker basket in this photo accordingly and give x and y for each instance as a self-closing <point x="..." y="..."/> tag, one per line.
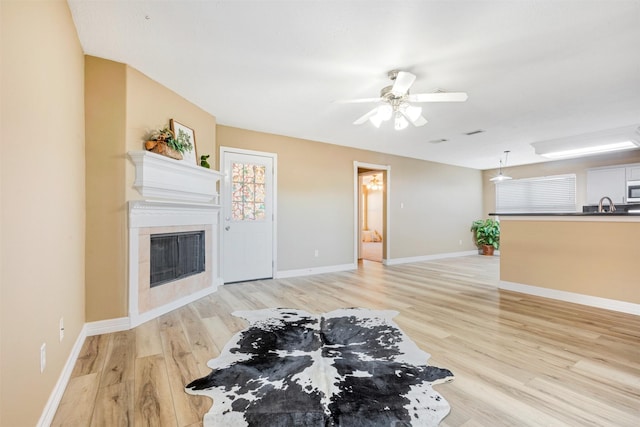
<point x="161" y="147"/>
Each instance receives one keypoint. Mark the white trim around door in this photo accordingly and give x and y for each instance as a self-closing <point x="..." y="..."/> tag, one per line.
<point x="356" y="203"/>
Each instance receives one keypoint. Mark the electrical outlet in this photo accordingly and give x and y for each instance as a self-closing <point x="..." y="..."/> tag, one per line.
<point x="317" y="253"/>
<point x="460" y="242"/>
<point x="61" y="328"/>
<point x="43" y="356"/>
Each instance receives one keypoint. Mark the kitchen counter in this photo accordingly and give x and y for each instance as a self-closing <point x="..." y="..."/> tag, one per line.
<point x="586" y="258"/>
<point x="571" y="216"/>
<point x="574" y="214"/>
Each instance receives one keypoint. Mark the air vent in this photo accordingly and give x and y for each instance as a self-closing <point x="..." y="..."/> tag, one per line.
<point x="474" y="132"/>
<point x="438" y="141"/>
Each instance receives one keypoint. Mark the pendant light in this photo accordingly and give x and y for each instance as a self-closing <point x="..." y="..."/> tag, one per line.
<point x="501" y="177"/>
<point x="374" y="184"/>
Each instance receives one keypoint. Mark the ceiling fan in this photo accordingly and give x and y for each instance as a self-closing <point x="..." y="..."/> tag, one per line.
<point x="395" y="102"/>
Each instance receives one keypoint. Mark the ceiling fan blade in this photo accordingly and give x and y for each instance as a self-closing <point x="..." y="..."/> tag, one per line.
<point x="364" y="118"/>
<point x="438" y="97"/>
<point x="417" y="121"/>
<point x="357" y="101"/>
<point x="403" y="82"/>
<point x="420" y="121"/>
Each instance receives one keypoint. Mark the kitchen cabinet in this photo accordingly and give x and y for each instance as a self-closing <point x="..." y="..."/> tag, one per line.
<point x="610" y="182"/>
<point x="633" y="173"/>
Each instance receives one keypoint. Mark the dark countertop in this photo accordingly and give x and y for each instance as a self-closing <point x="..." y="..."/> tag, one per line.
<point x="587" y="211"/>
<point x="583" y="214"/>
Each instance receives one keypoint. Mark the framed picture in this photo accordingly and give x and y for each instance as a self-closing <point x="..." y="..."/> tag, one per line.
<point x="180" y="129"/>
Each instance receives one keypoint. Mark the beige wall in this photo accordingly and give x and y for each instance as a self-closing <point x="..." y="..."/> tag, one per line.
<point x="123" y="106"/>
<point x="585" y="257"/>
<point x="316" y="201"/>
<point x="106" y="263"/>
<point x="150" y="106"/>
<point x="43" y="202"/>
<point x="578" y="166"/>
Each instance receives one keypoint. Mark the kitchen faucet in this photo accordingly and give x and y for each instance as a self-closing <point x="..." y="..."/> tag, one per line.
<point x="612" y="207"/>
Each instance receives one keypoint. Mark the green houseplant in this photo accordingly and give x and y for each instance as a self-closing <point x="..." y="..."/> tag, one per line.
<point x="487" y="235"/>
<point x="164" y="141"/>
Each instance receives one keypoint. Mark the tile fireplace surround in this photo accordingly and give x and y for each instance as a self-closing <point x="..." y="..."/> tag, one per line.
<point x="181" y="197"/>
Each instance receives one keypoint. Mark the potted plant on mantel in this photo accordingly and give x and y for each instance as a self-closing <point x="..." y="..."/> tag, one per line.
<point x="487" y="235"/>
<point x="164" y="141"/>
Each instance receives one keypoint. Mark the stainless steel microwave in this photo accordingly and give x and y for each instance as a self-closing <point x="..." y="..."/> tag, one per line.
<point x="633" y="191"/>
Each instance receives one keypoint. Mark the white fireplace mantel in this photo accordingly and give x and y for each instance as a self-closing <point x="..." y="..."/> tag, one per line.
<point x="161" y="177"/>
<point x="162" y="213"/>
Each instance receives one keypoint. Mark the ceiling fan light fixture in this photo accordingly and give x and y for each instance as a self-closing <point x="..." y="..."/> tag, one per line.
<point x="394" y="102"/>
<point x="385" y="112"/>
<point x="412" y="112"/>
<point x="400" y="122"/>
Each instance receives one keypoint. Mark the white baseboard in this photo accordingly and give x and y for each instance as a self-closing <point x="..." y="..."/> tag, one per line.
<point x="107" y="326"/>
<point x="46" y="418"/>
<point x="608" y="304"/>
<point x="346" y="267"/>
<point x="315" y="270"/>
<point x="396" y="261"/>
<point x="104" y="327"/>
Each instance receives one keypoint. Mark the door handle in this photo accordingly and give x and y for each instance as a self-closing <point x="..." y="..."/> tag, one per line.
<point x="227" y="228"/>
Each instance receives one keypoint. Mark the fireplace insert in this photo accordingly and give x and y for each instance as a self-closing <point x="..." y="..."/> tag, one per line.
<point x="176" y="255"/>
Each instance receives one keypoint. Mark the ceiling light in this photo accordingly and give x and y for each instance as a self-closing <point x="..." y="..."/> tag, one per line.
<point x="400" y="122"/>
<point x="413" y="112"/>
<point x="395" y="101"/>
<point x="374" y="184"/>
<point x="384" y="112"/>
<point x="500" y="176"/>
<point x="625" y="138"/>
<point x="585" y="151"/>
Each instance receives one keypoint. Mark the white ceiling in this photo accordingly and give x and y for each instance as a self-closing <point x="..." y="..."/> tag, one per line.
<point x="534" y="70"/>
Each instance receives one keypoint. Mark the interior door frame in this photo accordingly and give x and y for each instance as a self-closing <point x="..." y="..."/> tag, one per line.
<point x="224" y="187"/>
<point x="386" y="181"/>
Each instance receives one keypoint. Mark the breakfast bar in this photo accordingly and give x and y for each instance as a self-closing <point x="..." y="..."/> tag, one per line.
<point x="587" y="258"/>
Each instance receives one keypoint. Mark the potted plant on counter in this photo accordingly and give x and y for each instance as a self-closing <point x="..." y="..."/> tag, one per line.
<point x="487" y="235"/>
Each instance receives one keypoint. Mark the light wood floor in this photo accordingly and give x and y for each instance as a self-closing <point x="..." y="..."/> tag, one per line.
<point x="518" y="360"/>
<point x="371" y="251"/>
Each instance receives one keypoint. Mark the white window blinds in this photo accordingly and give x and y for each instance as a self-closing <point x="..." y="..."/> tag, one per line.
<point x="544" y="194"/>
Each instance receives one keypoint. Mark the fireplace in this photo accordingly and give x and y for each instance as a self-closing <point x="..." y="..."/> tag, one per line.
<point x="152" y="299"/>
<point x="173" y="237"/>
<point x="174" y="256"/>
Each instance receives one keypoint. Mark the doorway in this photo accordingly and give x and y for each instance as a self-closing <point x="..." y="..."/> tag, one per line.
<point x="372" y="219"/>
<point x="248" y="193"/>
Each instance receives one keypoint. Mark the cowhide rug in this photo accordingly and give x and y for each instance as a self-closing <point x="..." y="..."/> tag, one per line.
<point x="350" y="367"/>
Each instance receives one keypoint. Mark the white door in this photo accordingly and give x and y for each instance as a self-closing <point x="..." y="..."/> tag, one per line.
<point x="248" y="222"/>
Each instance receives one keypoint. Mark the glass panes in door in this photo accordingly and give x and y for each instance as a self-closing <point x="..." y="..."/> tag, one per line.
<point x="247" y="191"/>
